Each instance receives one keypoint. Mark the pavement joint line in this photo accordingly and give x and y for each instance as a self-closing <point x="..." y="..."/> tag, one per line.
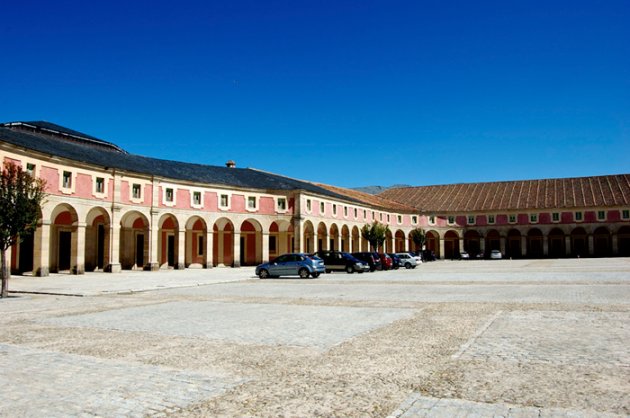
<point x="478" y="334"/>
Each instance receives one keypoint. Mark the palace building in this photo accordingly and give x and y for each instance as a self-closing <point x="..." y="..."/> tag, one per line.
<point x="108" y="210"/>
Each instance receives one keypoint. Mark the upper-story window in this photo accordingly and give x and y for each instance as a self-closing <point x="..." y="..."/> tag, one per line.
<point x="334" y="209"/>
<point x="136" y="191"/>
<point x="169" y="194"/>
<point x="282" y="204"/>
<point x="414" y="219"/>
<point x="399" y="219"/>
<point x="373" y="215"/>
<point x="533" y="218"/>
<point x="471" y="219"/>
<point x="380" y="217"/>
<point x="451" y="219"/>
<point x="308" y="205"/>
<point x="555" y="216"/>
<point x="512" y="218"/>
<point x="356" y="213"/>
<point x="66" y="182"/>
<point x="364" y="214"/>
<point x="625" y="214"/>
<point x="432" y="220"/>
<point x="601" y="215"/>
<point x="196" y="198"/>
<point x="579" y="216"/>
<point x="30" y="169"/>
<point x="345" y="211"/>
<point x="251" y="202"/>
<point x="322" y="207"/>
<point x="490" y="219"/>
<point x="224" y="201"/>
<point x="100" y="185"/>
<point x="388" y="218"/>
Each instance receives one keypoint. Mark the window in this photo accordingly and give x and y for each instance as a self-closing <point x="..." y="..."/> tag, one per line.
<point x="100" y="185"/>
<point x="308" y="205"/>
<point x="601" y="215"/>
<point x="356" y="213"/>
<point x="251" y="202"/>
<point x="322" y="207"/>
<point x="67" y="180"/>
<point x="225" y="201"/>
<point x="387" y="218"/>
<point x="364" y="214"/>
<point x="414" y="219"/>
<point x="471" y="220"/>
<point x="345" y="211"/>
<point x="578" y="216"/>
<point x="451" y="219"/>
<point x="334" y="210"/>
<point x="169" y="195"/>
<point x="512" y="219"/>
<point x="136" y="191"/>
<point x="533" y="218"/>
<point x="380" y="217"/>
<point x="30" y="169"/>
<point x="399" y="219"/>
<point x="432" y="219"/>
<point x="625" y="214"/>
<point x="282" y="204"/>
<point x="199" y="244"/>
<point x="373" y="215"/>
<point x="197" y="198"/>
<point x="555" y="217"/>
<point x="490" y="219"/>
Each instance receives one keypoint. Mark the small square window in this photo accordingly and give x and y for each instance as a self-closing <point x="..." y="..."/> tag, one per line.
<point x="322" y="207"/>
<point x="136" y="191"/>
<point x="490" y="219"/>
<point x="451" y="219"/>
<point x="225" y="201"/>
<point x="414" y="219"/>
<point x="533" y="218"/>
<point x="100" y="185"/>
<point x="432" y="219"/>
<point x="512" y="219"/>
<point x="30" y="169"/>
<point x="67" y="179"/>
<point x="251" y="202"/>
<point x="308" y="205"/>
<point x="471" y="220"/>
<point x="399" y="219"/>
<point x="196" y="198"/>
<point x="578" y="216"/>
<point x="601" y="215"/>
<point x="169" y="195"/>
<point x="282" y="204"/>
<point x="625" y="214"/>
<point x="555" y="217"/>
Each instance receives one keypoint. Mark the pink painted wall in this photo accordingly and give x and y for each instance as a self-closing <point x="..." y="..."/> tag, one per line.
<point x="238" y="203"/>
<point x="51" y="176"/>
<point x="83" y="186"/>
<point x="266" y="206"/>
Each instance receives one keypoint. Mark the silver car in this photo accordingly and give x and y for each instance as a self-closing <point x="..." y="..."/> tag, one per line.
<point x="407" y="260"/>
<point x="496" y="255"/>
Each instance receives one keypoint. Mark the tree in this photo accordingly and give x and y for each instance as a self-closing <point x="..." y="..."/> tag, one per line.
<point x="418" y="237"/>
<point x="375" y="234"/>
<point x="21" y="195"/>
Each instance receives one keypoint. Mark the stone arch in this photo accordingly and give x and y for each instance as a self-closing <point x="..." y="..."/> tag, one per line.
<point x="345" y="239"/>
<point x="602" y="242"/>
<point x="169" y="242"/>
<point x="557" y="243"/>
<point x="196" y="248"/>
<point x="251" y="243"/>
<point x="399" y="241"/>
<point x="514" y="248"/>
<point x="223" y="242"/>
<point x="451" y="244"/>
<point x="472" y="243"/>
<point x="493" y="241"/>
<point x="134" y="241"/>
<point x="623" y="241"/>
<point x="535" y="243"/>
<point x="433" y="243"/>
<point x="356" y="239"/>
<point x="334" y="238"/>
<point x="23" y="252"/>
<point x="322" y="236"/>
<point x="309" y="237"/>
<point x="65" y="239"/>
<point x="388" y="243"/>
<point x="97" y="239"/>
<point x="579" y="242"/>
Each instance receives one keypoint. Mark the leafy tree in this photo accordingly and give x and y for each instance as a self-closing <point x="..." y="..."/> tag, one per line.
<point x="375" y="234"/>
<point x="20" y="197"/>
<point x="418" y="237"/>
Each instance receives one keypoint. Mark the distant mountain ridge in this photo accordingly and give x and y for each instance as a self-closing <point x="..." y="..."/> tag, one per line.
<point x="378" y="189"/>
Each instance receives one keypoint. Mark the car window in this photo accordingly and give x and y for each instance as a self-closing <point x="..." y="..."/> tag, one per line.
<point x="281" y="259"/>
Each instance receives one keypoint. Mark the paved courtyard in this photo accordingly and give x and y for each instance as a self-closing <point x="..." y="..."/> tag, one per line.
<point x="522" y="338"/>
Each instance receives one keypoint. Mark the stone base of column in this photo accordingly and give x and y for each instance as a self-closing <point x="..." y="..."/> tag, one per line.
<point x="151" y="267"/>
<point x="113" y="268"/>
<point x="236" y="264"/>
<point x="77" y="270"/>
<point x="208" y="265"/>
<point x="179" y="266"/>
<point x="42" y="272"/>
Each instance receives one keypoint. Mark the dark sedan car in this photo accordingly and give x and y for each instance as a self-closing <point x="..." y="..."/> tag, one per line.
<point x="373" y="260"/>
<point x="340" y="261"/>
<point x="395" y="261"/>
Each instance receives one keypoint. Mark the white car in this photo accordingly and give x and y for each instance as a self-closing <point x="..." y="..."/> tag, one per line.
<point x="495" y="255"/>
<point x="407" y="260"/>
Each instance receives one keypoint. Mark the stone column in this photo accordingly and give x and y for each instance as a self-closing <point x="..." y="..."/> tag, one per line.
<point x="78" y="249"/>
<point x="237" y="249"/>
<point x="461" y="245"/>
<point x="41" y="254"/>
<point x="441" y="243"/>
<point x="114" y="243"/>
<point x="209" y="248"/>
<point x="482" y="245"/>
<point x="154" y="250"/>
<point x="502" y="244"/>
<point x="180" y="264"/>
<point x="298" y="236"/>
<point x="615" y="244"/>
<point x="221" y="248"/>
<point x="567" y="245"/>
<point x="591" y="245"/>
<point x="523" y="245"/>
<point x="545" y="245"/>
<point x="265" y="246"/>
<point x="337" y="243"/>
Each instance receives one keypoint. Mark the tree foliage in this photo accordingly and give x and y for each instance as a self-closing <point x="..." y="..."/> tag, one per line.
<point x="375" y="234"/>
<point x="418" y="237"/>
<point x="21" y="195"/>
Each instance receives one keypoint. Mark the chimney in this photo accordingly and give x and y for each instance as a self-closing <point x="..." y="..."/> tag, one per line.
<point x="230" y="164"/>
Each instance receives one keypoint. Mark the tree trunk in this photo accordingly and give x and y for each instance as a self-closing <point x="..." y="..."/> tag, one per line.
<point x="5" y="272"/>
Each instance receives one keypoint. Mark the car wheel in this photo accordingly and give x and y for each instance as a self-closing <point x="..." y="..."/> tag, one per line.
<point x="407" y="266"/>
<point x="328" y="271"/>
<point x="315" y="275"/>
<point x="263" y="274"/>
<point x="349" y="269"/>
<point x="303" y="273"/>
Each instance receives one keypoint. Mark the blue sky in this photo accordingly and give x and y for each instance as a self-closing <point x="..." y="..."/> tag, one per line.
<point x="347" y="93"/>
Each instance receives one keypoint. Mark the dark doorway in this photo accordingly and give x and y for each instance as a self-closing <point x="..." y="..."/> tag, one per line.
<point x="170" y="250"/>
<point x="140" y="250"/>
<point x="100" y="246"/>
<point x="242" y="251"/>
<point x="65" y="250"/>
<point x="26" y="254"/>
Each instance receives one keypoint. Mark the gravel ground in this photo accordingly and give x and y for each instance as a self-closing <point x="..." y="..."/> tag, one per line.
<point x="558" y="348"/>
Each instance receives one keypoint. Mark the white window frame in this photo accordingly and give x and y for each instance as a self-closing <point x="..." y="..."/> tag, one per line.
<point x="73" y="182"/>
<point x="553" y="214"/>
<point x="414" y="219"/>
<point x="228" y="198"/>
<point x="279" y="199"/>
<point x="322" y="208"/>
<point x="139" y="199"/>
<point x="579" y="214"/>
<point x="624" y="212"/>
<point x="431" y="219"/>
<point x="451" y="219"/>
<point x="469" y="221"/>
<point x="95" y="191"/>
<point x="602" y="219"/>
<point x="193" y="204"/>
<point x="493" y="221"/>
<point x="165" y="201"/>
<point x="356" y="213"/>
<point x="249" y="199"/>
<point x="309" y="205"/>
<point x="533" y="218"/>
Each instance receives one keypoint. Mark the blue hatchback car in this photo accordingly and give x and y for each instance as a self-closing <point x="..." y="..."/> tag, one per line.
<point x="294" y="264"/>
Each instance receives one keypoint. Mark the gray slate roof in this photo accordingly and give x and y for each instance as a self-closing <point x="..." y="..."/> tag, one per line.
<point x="208" y="174"/>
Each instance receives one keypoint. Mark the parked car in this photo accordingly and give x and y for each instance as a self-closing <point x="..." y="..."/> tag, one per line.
<point x="340" y="261"/>
<point x="294" y="264"/>
<point x="463" y="255"/>
<point x="386" y="261"/>
<point x="373" y="260"/>
<point x="407" y="260"/>
<point x="496" y="255"/>
<point x="395" y="260"/>
<point x="416" y="256"/>
<point x="428" y="255"/>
